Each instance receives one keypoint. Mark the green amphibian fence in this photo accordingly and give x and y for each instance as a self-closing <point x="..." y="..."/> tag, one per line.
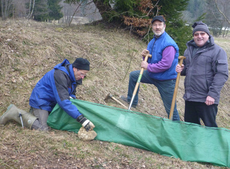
<point x="187" y="141"/>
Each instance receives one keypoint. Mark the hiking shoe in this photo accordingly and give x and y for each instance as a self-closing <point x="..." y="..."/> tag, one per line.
<point x="128" y="102"/>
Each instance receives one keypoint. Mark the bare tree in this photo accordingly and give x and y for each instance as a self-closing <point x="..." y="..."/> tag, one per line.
<point x="223" y="8"/>
<point x="80" y="12"/>
<point x="6" y="8"/>
<point x="31" y="9"/>
<point x="224" y="5"/>
<point x="19" y="8"/>
<point x="79" y="5"/>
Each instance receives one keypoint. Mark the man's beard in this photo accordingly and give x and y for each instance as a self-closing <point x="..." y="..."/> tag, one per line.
<point x="159" y="34"/>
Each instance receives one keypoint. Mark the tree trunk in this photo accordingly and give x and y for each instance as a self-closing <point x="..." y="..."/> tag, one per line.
<point x="31" y="9"/>
<point x="2" y="7"/>
<point x="5" y="7"/>
<point x="104" y="9"/>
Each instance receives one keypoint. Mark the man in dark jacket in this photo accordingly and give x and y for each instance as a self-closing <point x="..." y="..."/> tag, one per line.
<point x="160" y="68"/>
<point x="56" y="86"/>
<point x="206" y="71"/>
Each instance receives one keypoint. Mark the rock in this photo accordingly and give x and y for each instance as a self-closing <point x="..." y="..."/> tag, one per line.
<point x="86" y="136"/>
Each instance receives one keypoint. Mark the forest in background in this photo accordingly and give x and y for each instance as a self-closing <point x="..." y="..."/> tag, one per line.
<point x="132" y="15"/>
<point x="214" y="13"/>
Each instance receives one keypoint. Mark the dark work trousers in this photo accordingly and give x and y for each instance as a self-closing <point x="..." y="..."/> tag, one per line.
<point x="194" y="111"/>
<point x="41" y="122"/>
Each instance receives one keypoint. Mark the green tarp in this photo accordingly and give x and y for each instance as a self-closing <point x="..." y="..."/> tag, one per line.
<point x="187" y="141"/>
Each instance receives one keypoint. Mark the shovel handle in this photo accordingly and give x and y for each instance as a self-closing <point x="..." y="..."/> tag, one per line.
<point x="181" y="58"/>
<point x="138" y="81"/>
<point x="118" y="102"/>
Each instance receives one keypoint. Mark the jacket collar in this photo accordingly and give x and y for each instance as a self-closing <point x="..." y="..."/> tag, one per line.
<point x="66" y="67"/>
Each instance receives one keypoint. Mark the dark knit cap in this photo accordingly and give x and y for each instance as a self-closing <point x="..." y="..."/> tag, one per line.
<point x="159" y="18"/>
<point x="81" y="64"/>
<point x="200" y="26"/>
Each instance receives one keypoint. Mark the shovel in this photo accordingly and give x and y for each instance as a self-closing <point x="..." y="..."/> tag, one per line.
<point x="181" y="58"/>
<point x="138" y="81"/>
<point x="110" y="96"/>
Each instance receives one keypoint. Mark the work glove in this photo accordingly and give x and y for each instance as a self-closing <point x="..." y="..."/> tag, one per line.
<point x="87" y="124"/>
<point x="72" y="97"/>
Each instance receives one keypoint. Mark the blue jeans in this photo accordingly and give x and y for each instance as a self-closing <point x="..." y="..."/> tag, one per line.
<point x="165" y="88"/>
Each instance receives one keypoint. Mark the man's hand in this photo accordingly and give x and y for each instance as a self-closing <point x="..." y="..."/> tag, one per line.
<point x="144" y="52"/>
<point x="87" y="124"/>
<point x="144" y="64"/>
<point x="209" y="100"/>
<point x="179" y="68"/>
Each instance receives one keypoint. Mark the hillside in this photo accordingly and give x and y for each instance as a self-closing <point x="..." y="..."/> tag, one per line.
<point x="29" y="49"/>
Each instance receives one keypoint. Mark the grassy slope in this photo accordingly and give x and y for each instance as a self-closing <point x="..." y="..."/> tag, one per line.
<point x="30" y="49"/>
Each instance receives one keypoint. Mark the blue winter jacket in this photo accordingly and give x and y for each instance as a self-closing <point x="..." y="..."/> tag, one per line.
<point x="156" y="47"/>
<point x="56" y="86"/>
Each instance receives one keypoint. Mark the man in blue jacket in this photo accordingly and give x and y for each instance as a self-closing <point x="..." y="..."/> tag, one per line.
<point x="55" y="87"/>
<point x="160" y="68"/>
<point x="206" y="71"/>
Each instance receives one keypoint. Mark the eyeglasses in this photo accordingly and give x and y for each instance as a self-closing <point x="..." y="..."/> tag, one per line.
<point x="197" y="34"/>
<point x="82" y="74"/>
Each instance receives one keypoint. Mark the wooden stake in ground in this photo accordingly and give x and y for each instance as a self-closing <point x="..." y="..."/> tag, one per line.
<point x="181" y="58"/>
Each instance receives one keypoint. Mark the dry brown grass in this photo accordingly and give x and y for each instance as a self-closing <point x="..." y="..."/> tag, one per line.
<point x="30" y="49"/>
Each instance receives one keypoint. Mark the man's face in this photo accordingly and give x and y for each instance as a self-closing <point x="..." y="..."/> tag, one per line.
<point x="79" y="74"/>
<point x="200" y="38"/>
<point x="158" y="27"/>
